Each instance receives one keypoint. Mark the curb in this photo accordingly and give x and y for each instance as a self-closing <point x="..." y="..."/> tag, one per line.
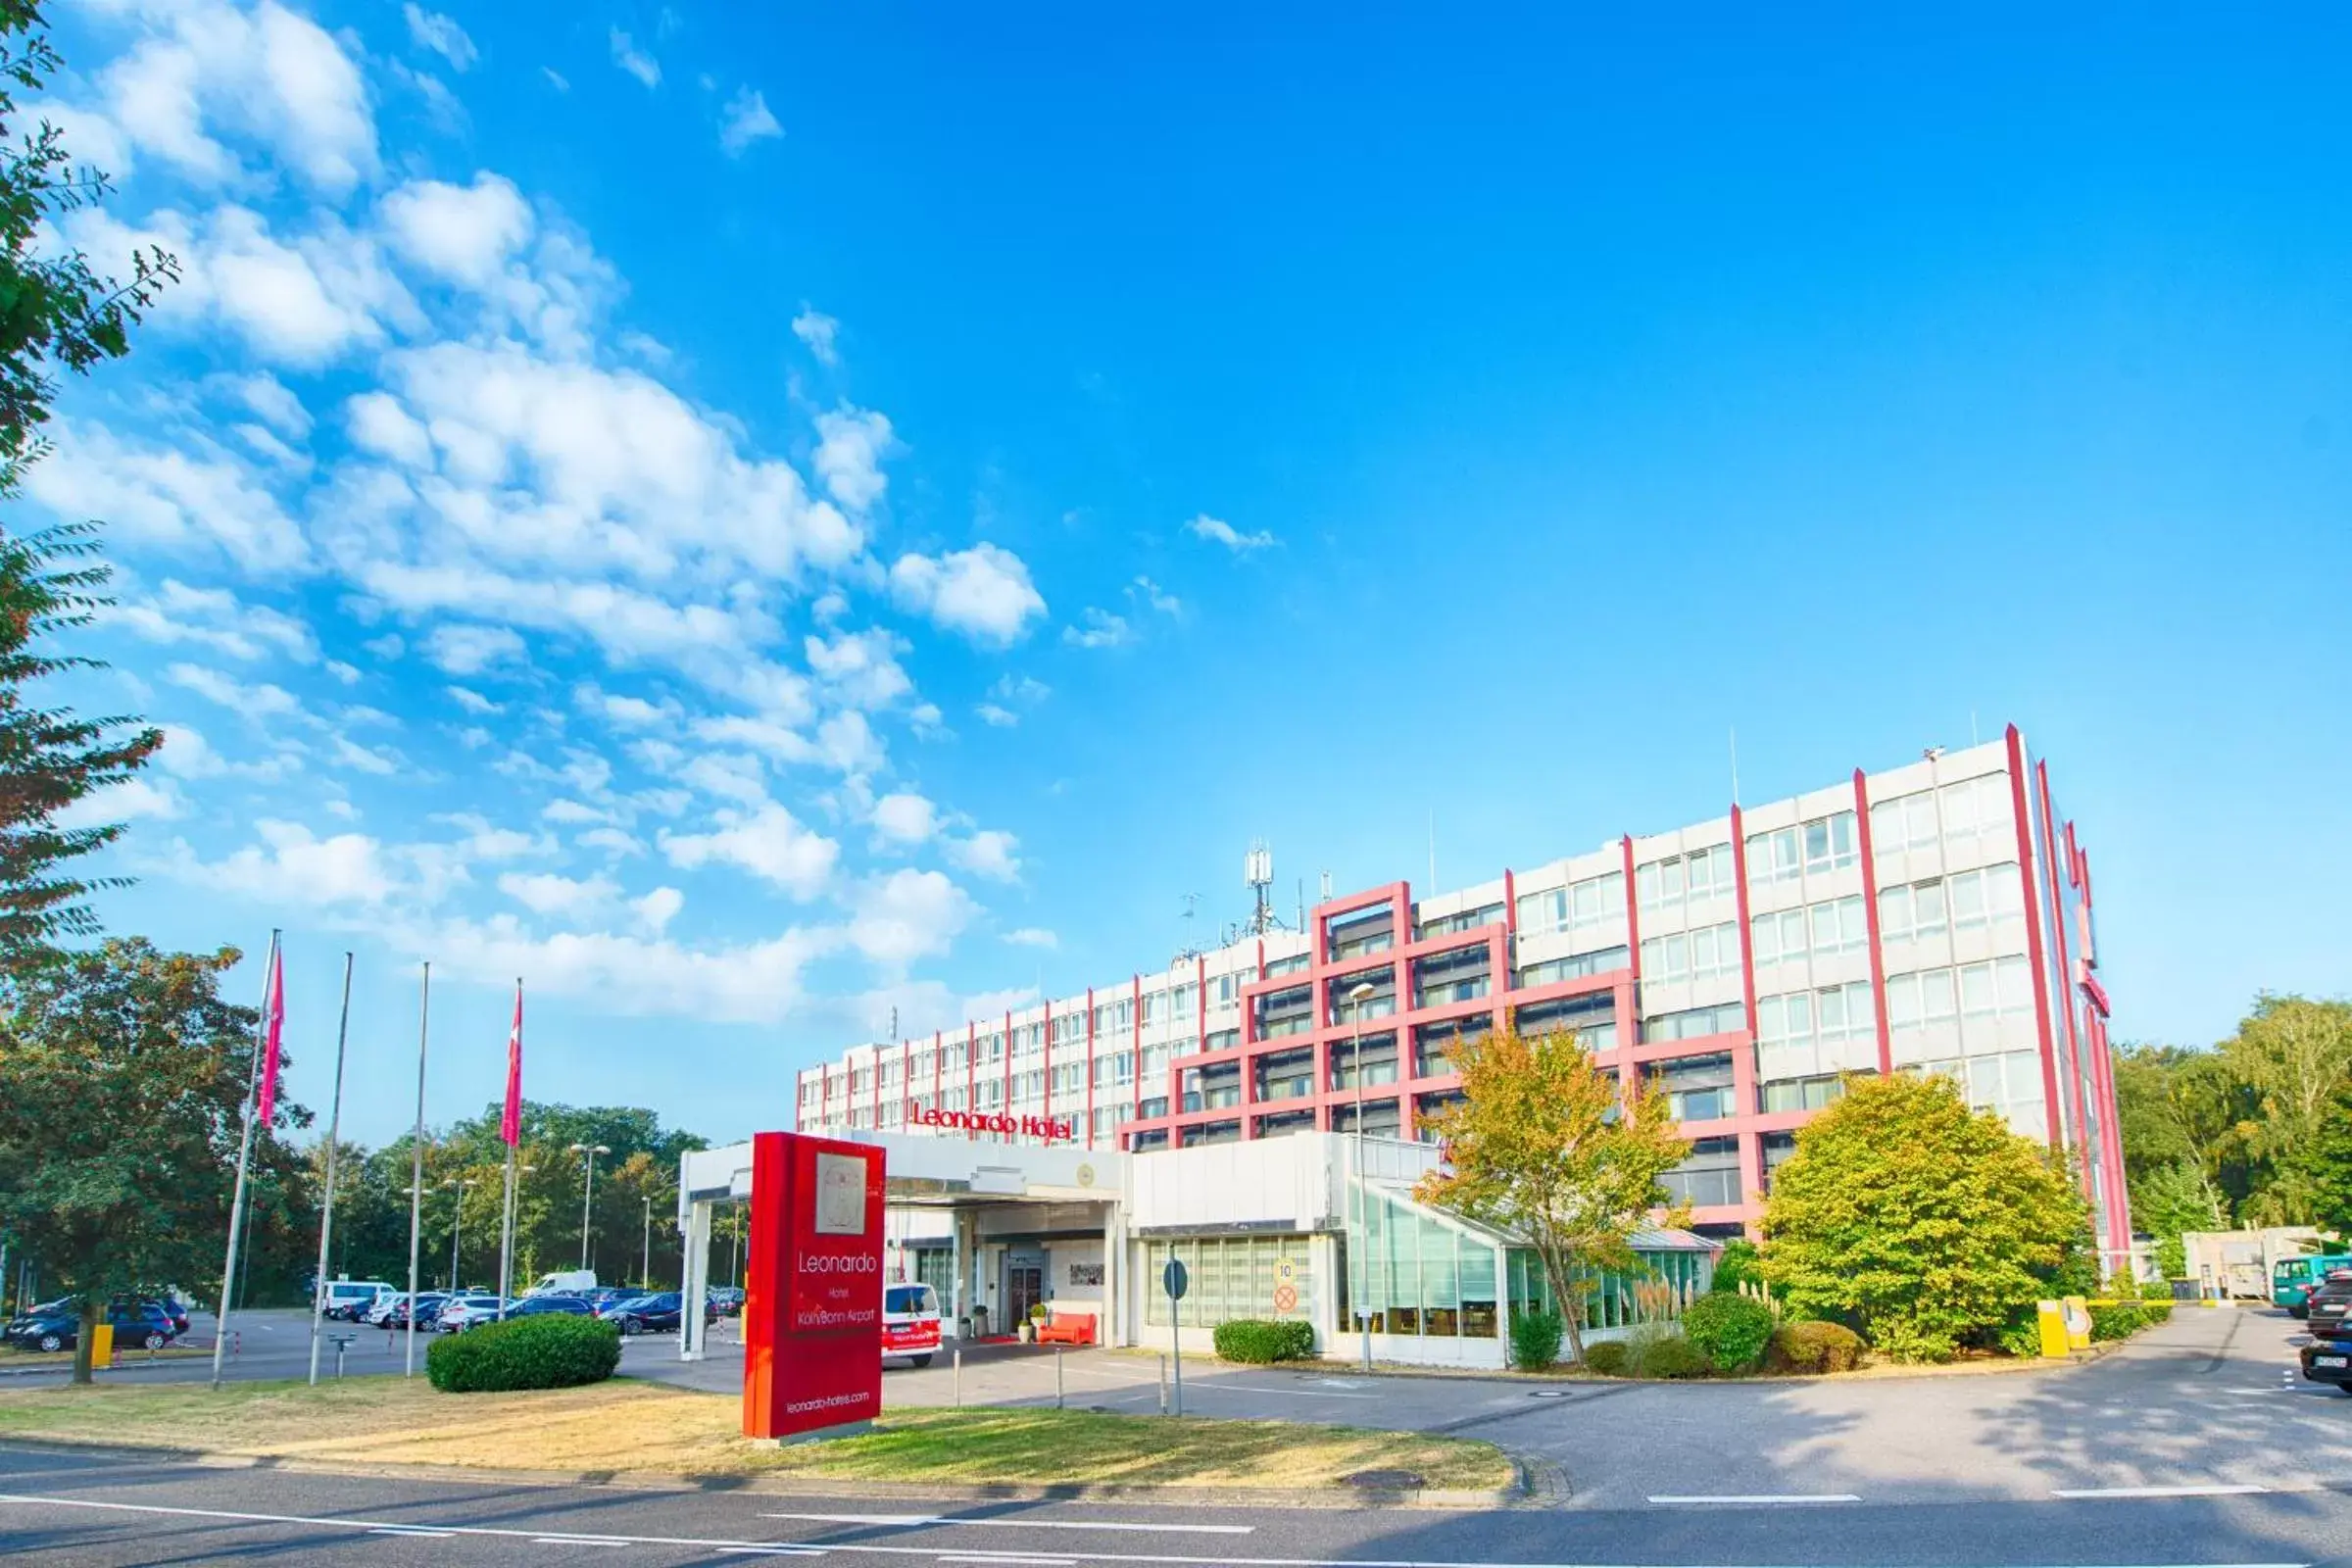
<point x="1528" y="1484"/>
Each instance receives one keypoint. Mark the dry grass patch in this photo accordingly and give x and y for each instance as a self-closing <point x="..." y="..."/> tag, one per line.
<point x="627" y="1426"/>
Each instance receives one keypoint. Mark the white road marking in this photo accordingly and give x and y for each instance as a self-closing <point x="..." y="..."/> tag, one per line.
<point x="788" y="1549"/>
<point x="576" y="1540"/>
<point x="921" y="1521"/>
<point x="1004" y="1558"/>
<point x="408" y="1530"/>
<point x="1755" y="1498"/>
<point x="2213" y="1489"/>
<point x="1252" y="1388"/>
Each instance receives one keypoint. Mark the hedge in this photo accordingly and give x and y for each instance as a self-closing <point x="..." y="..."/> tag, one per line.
<point x="1609" y="1357"/>
<point x="1813" y="1347"/>
<point x="1674" y="1358"/>
<point x="1730" y="1330"/>
<point x="1536" y="1339"/>
<point x="553" y="1351"/>
<point x="1259" y="1340"/>
<point x="2122" y="1319"/>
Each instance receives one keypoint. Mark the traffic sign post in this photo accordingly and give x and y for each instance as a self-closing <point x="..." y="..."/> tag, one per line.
<point x="1176" y="1281"/>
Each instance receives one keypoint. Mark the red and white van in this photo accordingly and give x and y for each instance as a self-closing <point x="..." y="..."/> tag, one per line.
<point x="909" y="1323"/>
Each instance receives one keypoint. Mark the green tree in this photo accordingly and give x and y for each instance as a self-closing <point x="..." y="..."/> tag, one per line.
<point x="2296" y="1054"/>
<point x="2171" y="1201"/>
<point x="1921" y="1223"/>
<point x="2330" y="1169"/>
<point x="2176" y="1104"/>
<point x="122" y="1083"/>
<point x="1544" y="1144"/>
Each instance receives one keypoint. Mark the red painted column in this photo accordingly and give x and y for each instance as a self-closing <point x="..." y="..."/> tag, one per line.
<point x="1409" y="1064"/>
<point x="1090" y="1066"/>
<point x="1629" y="1011"/>
<point x="1633" y="906"/>
<point x="2066" y="968"/>
<point x="1870" y="919"/>
<point x="2034" y="957"/>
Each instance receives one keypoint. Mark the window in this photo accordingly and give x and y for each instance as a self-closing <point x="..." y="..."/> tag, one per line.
<point x="1359" y="931"/>
<point x="1433" y="1041"/>
<point x="1456" y="976"/>
<point x="1156" y="1007"/>
<point x="1291" y="965"/>
<point x="1809" y="848"/>
<point x="1409" y="1272"/>
<point x="1965" y="901"/>
<point x="1231" y="1277"/>
<point x="1833" y="925"/>
<point x="1973" y="817"/>
<point x="1708" y="1175"/>
<point x="1553" y="971"/>
<point x="1834" y="1015"/>
<point x="1589" y="906"/>
<point x="1467" y="920"/>
<point x="1696" y="1088"/>
<point x="1706" y="954"/>
<point x="1694" y="1022"/>
<point x="2009" y="1083"/>
<point x="1802" y="1094"/>
<point x="1379" y="1061"/>
<point x="1977" y="997"/>
<point x="1700" y="874"/>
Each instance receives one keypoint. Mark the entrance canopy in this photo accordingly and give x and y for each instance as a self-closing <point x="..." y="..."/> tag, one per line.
<point x="940" y="1172"/>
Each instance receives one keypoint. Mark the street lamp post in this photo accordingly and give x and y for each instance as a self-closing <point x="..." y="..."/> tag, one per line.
<point x="587" y="1189"/>
<point x="456" y="1215"/>
<point x="645" y="1270"/>
<point x="1357" y="995"/>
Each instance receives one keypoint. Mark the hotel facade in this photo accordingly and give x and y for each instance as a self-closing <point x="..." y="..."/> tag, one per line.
<point x="1937" y="916"/>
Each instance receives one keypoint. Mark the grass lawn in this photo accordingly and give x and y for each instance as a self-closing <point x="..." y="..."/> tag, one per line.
<point x="625" y="1426"/>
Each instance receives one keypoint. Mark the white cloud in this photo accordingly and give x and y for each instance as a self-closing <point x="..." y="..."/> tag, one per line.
<point x="635" y="60"/>
<point x="429" y="29"/>
<point x="852" y="444"/>
<point x="473" y="702"/>
<point x="471" y="650"/>
<point x="291" y="864"/>
<point x="132" y="800"/>
<point x="186" y="753"/>
<point x="821" y="332"/>
<point x="194" y="502"/>
<point x="995" y="716"/>
<point x="348" y="674"/>
<point x="848" y="742"/>
<point x="988" y="853"/>
<point x="860" y="668"/>
<point x="769" y="843"/>
<point x="729" y="775"/>
<point x="1159" y="598"/>
<point x="265" y="395"/>
<point x="747" y="120"/>
<point x="1032" y="936"/>
<point x="658" y="908"/>
<point x="348" y="752"/>
<point x="378" y="423"/>
<point x="909" y="915"/>
<point x="766" y="735"/>
<point x="1219" y="531"/>
<point x="612" y="840"/>
<point x="1100" y="628"/>
<point x="253" y="699"/>
<point x="563" y="896"/>
<point x="556" y="78"/>
<point x="215" y="618"/>
<point x="485" y="841"/>
<point x="623" y="711"/>
<point x="983" y="592"/>
<point x="208" y="70"/>
<point x="463" y="233"/>
<point x="904" y="818"/>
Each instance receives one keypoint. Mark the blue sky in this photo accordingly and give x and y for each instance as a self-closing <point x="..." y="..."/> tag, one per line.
<point x="749" y="523"/>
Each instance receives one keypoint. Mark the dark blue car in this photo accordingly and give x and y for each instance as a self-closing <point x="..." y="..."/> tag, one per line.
<point x="545" y="1305"/>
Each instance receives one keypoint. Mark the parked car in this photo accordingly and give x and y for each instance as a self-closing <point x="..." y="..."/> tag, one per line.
<point x="726" y="1300"/>
<point x="2327" y="1358"/>
<point x="545" y="1305"/>
<point x="657" y="1314"/>
<point x="461" y="1312"/>
<point x="176" y="1310"/>
<point x="346" y="1300"/>
<point x="2292" y="1279"/>
<point x="428" y="1310"/>
<point x="57" y="1326"/>
<point x="2329" y="1302"/>
<point x="563" y="1282"/>
<point x="605" y="1297"/>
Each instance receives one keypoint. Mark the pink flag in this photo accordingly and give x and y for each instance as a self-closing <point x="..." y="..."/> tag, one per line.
<point x="509" y="1125"/>
<point x="273" y="1014"/>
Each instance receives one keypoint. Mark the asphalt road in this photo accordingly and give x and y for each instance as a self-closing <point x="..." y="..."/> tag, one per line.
<point x="89" y="1509"/>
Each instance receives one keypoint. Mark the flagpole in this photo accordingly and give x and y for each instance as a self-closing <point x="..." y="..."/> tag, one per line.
<point x="505" y="1237"/>
<point x="236" y="1208"/>
<point x="424" y="1014"/>
<point x="327" y="1211"/>
<point x="510" y="1130"/>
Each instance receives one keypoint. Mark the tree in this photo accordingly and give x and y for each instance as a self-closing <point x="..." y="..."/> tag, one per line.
<point x="2169" y="1201"/>
<point x="2176" y="1104"/>
<point x="1921" y="1223"/>
<point x="55" y="313"/>
<point x="1544" y="1145"/>
<point x="122" y="1084"/>
<point x="2330" y="1169"/>
<point x="2296" y="1054"/>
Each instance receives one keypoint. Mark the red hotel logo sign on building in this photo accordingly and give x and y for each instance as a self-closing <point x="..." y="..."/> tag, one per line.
<point x="1049" y="1129"/>
<point x="812" y="1309"/>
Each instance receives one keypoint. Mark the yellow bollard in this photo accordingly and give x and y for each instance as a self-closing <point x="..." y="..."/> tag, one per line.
<point x="2077" y="1324"/>
<point x="2051" y="1320"/>
<point x="102" y="1345"/>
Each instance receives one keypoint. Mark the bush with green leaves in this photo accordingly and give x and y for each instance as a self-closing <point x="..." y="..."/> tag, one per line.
<point x="1730" y="1330"/>
<point x="1536" y="1339"/>
<point x="1923" y="1222"/>
<point x="553" y="1351"/>
<point x="1673" y="1356"/>
<point x="1813" y="1347"/>
<point x="2123" y="1319"/>
<point x="1736" y="1265"/>
<point x="1260" y="1340"/>
<point x="1610" y="1359"/>
<point x="2021" y="1336"/>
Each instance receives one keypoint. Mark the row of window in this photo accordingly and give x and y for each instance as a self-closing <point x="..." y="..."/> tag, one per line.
<point x="1708" y="953"/>
<point x="1974" y="815"/>
<point x="1809" y="848"/>
<point x="1679" y="878"/>
<point x="1965" y="901"/>
<point x="1589" y="905"/>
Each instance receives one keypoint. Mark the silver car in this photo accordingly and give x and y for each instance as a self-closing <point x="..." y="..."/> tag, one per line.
<point x="471" y="1311"/>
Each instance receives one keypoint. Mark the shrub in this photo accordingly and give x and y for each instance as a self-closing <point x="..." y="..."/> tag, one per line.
<point x="554" y="1351"/>
<point x="1259" y="1339"/>
<point x="2122" y="1320"/>
<point x="2023" y="1337"/>
<point x="1609" y="1358"/>
<point x="1813" y="1347"/>
<point x="1736" y="1266"/>
<point x="1731" y="1331"/>
<point x="1674" y="1358"/>
<point x="2160" y="1290"/>
<point x="1536" y="1339"/>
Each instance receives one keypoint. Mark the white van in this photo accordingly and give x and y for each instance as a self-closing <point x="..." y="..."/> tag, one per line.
<point x="565" y="1282"/>
<point x="909" y="1323"/>
<point x="350" y="1298"/>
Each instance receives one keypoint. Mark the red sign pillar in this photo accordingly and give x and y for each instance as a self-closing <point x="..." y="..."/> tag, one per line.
<point x="813" y="1303"/>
